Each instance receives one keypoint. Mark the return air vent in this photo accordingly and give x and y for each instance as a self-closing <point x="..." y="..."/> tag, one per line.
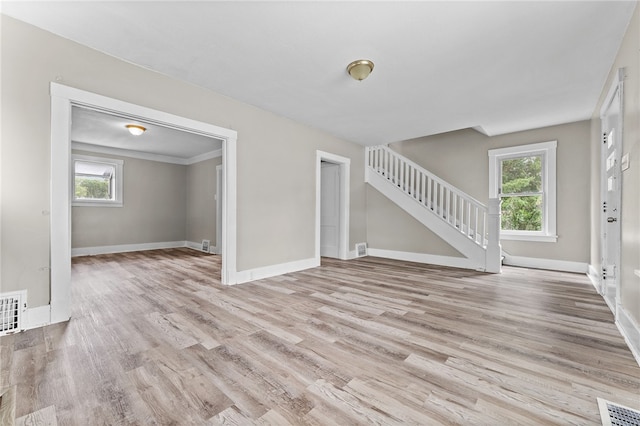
<point x="617" y="415"/>
<point x="361" y="249"/>
<point x="12" y="308"/>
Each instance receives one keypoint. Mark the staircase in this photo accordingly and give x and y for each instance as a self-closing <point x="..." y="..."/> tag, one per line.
<point x="466" y="224"/>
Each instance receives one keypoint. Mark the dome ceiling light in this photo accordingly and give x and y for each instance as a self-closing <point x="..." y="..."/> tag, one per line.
<point x="360" y="69"/>
<point x="135" y="129"/>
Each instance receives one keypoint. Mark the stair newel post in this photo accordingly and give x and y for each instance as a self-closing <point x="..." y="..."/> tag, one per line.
<point x="494" y="250"/>
<point x="367" y="163"/>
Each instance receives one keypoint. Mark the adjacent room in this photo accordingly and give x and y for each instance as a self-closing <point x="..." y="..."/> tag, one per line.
<point x="292" y="212"/>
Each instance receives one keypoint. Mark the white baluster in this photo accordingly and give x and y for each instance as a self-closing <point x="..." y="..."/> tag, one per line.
<point x="494" y="250"/>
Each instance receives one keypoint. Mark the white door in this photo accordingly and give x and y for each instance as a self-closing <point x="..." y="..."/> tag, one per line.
<point x="611" y="119"/>
<point x="330" y="210"/>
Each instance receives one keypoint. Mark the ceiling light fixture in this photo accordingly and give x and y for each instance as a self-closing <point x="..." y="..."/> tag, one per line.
<point x="135" y="129"/>
<point x="360" y="69"/>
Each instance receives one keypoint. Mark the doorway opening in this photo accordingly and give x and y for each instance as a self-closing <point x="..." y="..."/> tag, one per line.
<point x="332" y="206"/>
<point x="63" y="99"/>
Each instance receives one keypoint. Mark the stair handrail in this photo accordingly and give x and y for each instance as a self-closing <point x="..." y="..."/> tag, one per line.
<point x="424" y="171"/>
<point x="469" y="216"/>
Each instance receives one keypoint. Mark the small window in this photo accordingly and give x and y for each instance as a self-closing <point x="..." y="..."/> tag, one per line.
<point x="97" y="181"/>
<point x="524" y="178"/>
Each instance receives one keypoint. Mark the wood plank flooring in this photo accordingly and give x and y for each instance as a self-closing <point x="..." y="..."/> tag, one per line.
<point x="156" y="340"/>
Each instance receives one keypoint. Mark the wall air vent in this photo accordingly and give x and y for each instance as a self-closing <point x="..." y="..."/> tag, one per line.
<point x="361" y="249"/>
<point x="617" y="415"/>
<point x="12" y="308"/>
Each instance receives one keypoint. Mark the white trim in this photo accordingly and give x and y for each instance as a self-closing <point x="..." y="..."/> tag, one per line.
<point x="60" y="218"/>
<point x="124" y="248"/>
<point x="81" y="146"/>
<point x="62" y="99"/>
<point x="549" y="182"/>
<point x="550" y="264"/>
<point x="617" y="87"/>
<point x="37" y="317"/>
<point x="630" y="331"/>
<point x="218" y="195"/>
<point x="118" y="165"/>
<point x="432" y="259"/>
<point x="204" y="157"/>
<point x="594" y="277"/>
<point x="505" y="235"/>
<point x="275" y="270"/>
<point x="345" y="193"/>
<point x="228" y="246"/>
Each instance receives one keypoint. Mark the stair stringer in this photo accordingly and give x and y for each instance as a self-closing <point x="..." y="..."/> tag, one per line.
<point x="465" y="245"/>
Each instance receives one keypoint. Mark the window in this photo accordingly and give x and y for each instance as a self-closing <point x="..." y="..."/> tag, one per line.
<point x="97" y="181"/>
<point x="524" y="177"/>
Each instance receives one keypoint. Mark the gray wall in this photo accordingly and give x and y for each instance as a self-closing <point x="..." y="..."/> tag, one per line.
<point x="201" y="202"/>
<point x="276" y="192"/>
<point x="391" y="228"/>
<point x="629" y="58"/>
<point x="461" y="158"/>
<point x="154" y="207"/>
<point x="163" y="202"/>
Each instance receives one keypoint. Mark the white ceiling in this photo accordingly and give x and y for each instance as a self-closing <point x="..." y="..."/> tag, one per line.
<point x="498" y="67"/>
<point x="92" y="128"/>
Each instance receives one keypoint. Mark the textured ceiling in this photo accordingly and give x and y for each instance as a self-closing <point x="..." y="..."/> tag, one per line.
<point x="498" y="67"/>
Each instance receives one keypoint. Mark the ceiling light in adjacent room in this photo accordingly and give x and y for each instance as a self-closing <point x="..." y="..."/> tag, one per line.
<point x="135" y="129"/>
<point x="360" y="69"/>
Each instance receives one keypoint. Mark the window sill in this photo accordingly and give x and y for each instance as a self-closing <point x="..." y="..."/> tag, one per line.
<point x="524" y="237"/>
<point x="95" y="204"/>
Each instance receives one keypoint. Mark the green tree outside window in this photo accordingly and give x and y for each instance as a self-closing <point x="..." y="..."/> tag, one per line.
<point x="522" y="193"/>
<point x="92" y="188"/>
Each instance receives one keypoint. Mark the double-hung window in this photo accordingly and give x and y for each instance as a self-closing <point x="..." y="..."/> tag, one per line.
<point x="524" y="178"/>
<point x="97" y="181"/>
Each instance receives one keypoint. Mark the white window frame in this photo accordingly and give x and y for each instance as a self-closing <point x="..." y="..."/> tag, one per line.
<point x="118" y="187"/>
<point x="548" y="152"/>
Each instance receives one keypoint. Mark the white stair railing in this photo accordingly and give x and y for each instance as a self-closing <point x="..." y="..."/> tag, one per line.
<point x="459" y="210"/>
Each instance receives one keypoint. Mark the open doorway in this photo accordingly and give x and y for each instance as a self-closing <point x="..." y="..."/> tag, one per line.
<point x="332" y="205"/>
<point x="63" y="99"/>
<point x="154" y="188"/>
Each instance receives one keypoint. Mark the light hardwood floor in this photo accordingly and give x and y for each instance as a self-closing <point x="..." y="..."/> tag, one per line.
<point x="154" y="339"/>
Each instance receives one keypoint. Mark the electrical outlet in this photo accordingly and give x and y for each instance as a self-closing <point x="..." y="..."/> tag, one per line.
<point x="205" y="245"/>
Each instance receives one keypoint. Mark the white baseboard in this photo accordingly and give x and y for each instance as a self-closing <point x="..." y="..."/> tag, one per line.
<point x="540" y="263"/>
<point x="198" y="246"/>
<point x="594" y="277"/>
<point x="37" y="317"/>
<point x="122" y="248"/>
<point x="432" y="259"/>
<point x="275" y="270"/>
<point x="630" y="331"/>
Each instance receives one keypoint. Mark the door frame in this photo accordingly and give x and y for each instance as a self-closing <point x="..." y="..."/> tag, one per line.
<point x="616" y="88"/>
<point x="345" y="170"/>
<point x="219" y="214"/>
<point x="63" y="98"/>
